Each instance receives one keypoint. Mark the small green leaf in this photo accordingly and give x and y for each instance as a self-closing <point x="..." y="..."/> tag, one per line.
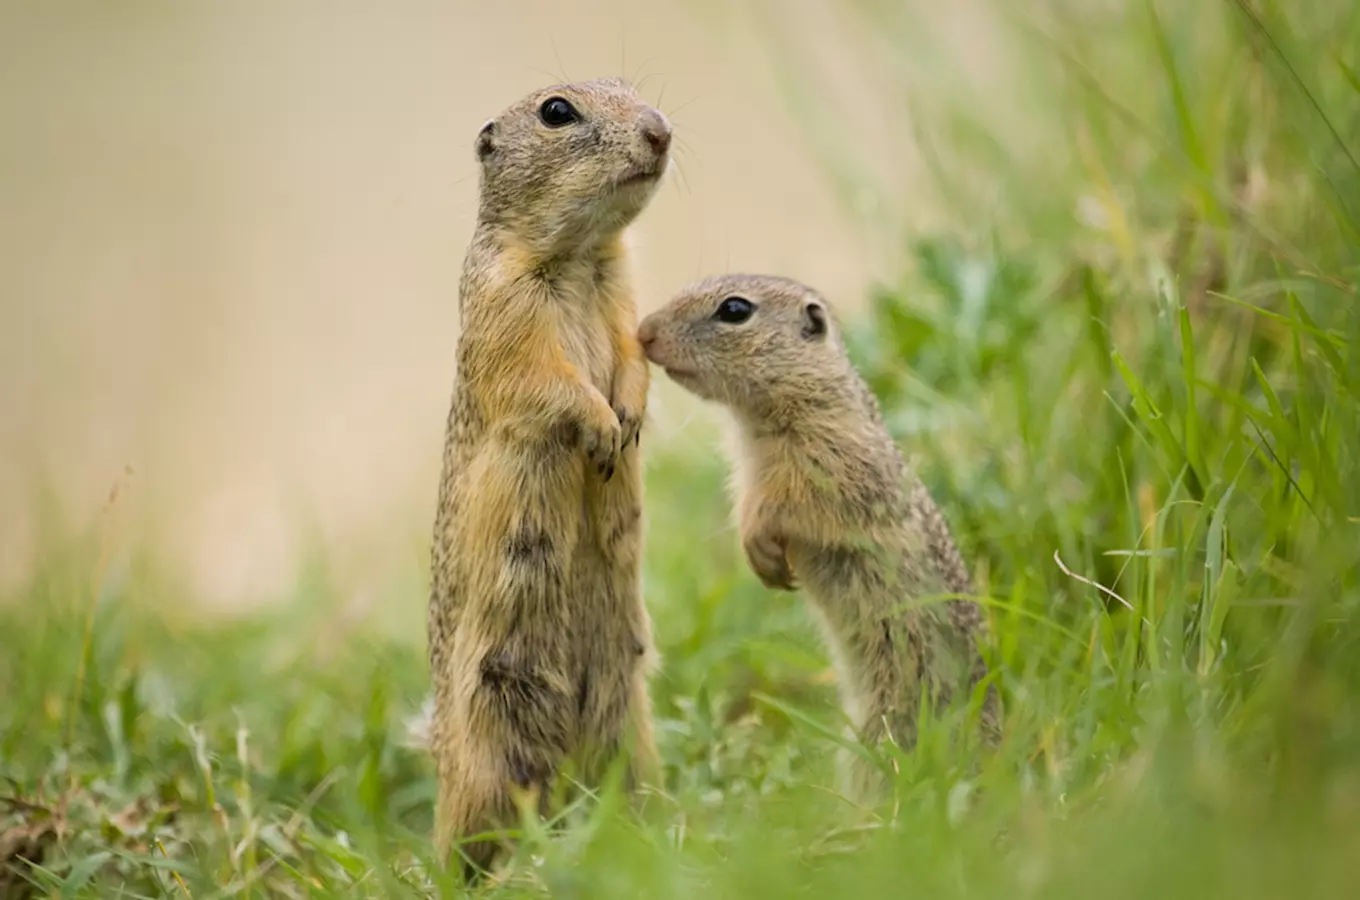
<point x="1192" y="429"/>
<point x="82" y="872"/>
<point x="1173" y="452"/>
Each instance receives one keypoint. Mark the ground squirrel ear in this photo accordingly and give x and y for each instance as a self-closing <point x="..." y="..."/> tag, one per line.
<point x="814" y="320"/>
<point x="485" y="143"/>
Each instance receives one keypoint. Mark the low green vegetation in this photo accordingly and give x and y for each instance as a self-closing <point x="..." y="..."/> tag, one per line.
<point x="1129" y="368"/>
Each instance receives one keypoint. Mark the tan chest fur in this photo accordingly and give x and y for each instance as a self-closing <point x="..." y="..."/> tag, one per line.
<point x="583" y="334"/>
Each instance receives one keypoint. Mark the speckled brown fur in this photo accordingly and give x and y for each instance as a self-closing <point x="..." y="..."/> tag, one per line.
<point x="540" y="644"/>
<point x="824" y="500"/>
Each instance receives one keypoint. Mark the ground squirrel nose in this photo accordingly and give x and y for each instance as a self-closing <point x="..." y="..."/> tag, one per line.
<point x="646" y="333"/>
<point x="657" y="131"/>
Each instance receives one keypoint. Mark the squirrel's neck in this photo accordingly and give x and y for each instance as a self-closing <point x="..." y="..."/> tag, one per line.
<point x="550" y="260"/>
<point x="551" y="241"/>
<point x="821" y="402"/>
<point x="832" y="420"/>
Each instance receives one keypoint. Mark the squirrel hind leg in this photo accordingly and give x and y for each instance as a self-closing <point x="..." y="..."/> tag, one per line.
<point x="481" y="797"/>
<point x="474" y="804"/>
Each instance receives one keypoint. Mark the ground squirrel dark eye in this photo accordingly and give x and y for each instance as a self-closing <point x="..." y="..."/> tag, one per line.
<point x="734" y="310"/>
<point x="556" y="112"/>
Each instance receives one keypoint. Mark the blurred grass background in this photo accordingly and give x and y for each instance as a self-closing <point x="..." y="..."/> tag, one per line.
<point x="1121" y="347"/>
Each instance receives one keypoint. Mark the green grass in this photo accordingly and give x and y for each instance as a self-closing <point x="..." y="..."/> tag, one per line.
<point x="1128" y="367"/>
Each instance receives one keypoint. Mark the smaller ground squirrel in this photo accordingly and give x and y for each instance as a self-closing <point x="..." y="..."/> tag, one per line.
<point x="540" y="644"/>
<point x="824" y="500"/>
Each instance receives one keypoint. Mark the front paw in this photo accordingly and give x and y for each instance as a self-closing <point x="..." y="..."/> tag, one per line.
<point x="769" y="559"/>
<point x="629" y="400"/>
<point x="630" y="423"/>
<point x="602" y="440"/>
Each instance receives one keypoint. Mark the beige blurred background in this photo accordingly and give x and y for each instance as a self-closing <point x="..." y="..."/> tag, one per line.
<point x="230" y="237"/>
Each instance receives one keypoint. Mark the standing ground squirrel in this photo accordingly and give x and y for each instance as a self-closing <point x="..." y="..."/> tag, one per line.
<point x="824" y="499"/>
<point x="540" y="645"/>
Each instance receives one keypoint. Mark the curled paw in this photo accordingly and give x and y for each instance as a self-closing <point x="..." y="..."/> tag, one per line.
<point x="630" y="423"/>
<point x="603" y="441"/>
<point x="768" y="558"/>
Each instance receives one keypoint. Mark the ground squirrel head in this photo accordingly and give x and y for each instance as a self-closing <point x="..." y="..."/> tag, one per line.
<point x="570" y="164"/>
<point x="759" y="344"/>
